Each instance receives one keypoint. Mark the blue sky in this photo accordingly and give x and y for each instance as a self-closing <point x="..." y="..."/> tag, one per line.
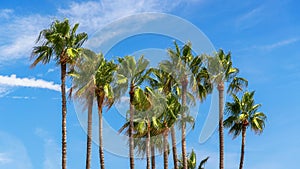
<point x="263" y="36"/>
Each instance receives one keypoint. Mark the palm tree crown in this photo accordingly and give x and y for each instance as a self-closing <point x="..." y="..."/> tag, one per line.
<point x="244" y="113"/>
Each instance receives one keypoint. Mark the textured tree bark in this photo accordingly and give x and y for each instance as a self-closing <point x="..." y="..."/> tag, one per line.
<point x="131" y="141"/>
<point x="183" y="132"/>
<point x="152" y="157"/>
<point x="101" y="151"/>
<point x="89" y="134"/>
<point x="243" y="147"/>
<point x="148" y="145"/>
<point x="64" y="115"/>
<point x="221" y="127"/>
<point x="174" y="149"/>
<point x="166" y="162"/>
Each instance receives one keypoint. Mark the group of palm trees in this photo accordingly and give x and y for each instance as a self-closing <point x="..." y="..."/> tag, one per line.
<point x="159" y="98"/>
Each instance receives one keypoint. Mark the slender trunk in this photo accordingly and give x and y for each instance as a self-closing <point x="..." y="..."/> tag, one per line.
<point x="152" y="157"/>
<point x="64" y="115"/>
<point x="101" y="152"/>
<point x="166" y="150"/>
<point x="243" y="147"/>
<point x="148" y="145"/>
<point x="221" y="132"/>
<point x="89" y="134"/>
<point x="183" y="132"/>
<point x="174" y="149"/>
<point x="131" y="141"/>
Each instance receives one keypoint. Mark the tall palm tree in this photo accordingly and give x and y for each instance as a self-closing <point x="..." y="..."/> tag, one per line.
<point x="163" y="82"/>
<point x="104" y="94"/>
<point x="84" y="84"/>
<point x="189" y="72"/>
<point x="130" y="74"/>
<point x="167" y="120"/>
<point x="243" y="113"/>
<point x="221" y="70"/>
<point x="61" y="43"/>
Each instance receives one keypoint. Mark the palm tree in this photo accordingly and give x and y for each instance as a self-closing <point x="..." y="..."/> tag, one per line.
<point x="61" y="43"/>
<point x="221" y="70"/>
<point x="163" y="82"/>
<point x="92" y="77"/>
<point x="84" y="84"/>
<point x="130" y="74"/>
<point x="243" y="113"/>
<point x="192" y="161"/>
<point x="188" y="69"/>
<point x="104" y="95"/>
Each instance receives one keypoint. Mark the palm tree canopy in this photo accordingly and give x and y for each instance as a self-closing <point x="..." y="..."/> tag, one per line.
<point x="192" y="161"/>
<point x="83" y="75"/>
<point x="59" y="42"/>
<point x="184" y="67"/>
<point x="220" y="69"/>
<point x="244" y="112"/>
<point x="93" y="75"/>
<point x="130" y="73"/>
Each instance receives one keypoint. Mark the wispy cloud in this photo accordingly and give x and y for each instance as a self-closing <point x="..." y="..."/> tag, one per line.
<point x="250" y="18"/>
<point x="272" y="46"/>
<point x="93" y="15"/>
<point x="20" y="32"/>
<point x="23" y="97"/>
<point x="4" y="91"/>
<point x="279" y="44"/>
<point x="14" y="81"/>
<point x="5" y="13"/>
<point x="4" y="158"/>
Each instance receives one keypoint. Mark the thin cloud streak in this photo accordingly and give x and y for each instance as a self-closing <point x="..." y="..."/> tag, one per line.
<point x="250" y="18"/>
<point x="269" y="47"/>
<point x="280" y="43"/>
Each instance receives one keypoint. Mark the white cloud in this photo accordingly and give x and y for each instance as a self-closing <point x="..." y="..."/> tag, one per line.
<point x="20" y="32"/>
<point x="4" y="91"/>
<point x="93" y="15"/>
<point x="19" y="35"/>
<point x="4" y="159"/>
<point x="5" y="13"/>
<point x="22" y="97"/>
<point x="14" y="81"/>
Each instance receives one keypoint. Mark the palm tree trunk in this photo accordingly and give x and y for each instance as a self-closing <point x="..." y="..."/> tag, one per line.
<point x="152" y="157"/>
<point x="131" y="141"/>
<point x="89" y="135"/>
<point x="221" y="128"/>
<point x="174" y="149"/>
<point x="148" y="146"/>
<point x="166" y="150"/>
<point x="101" y="151"/>
<point x="183" y="132"/>
<point x="243" y="147"/>
<point x="64" y="115"/>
